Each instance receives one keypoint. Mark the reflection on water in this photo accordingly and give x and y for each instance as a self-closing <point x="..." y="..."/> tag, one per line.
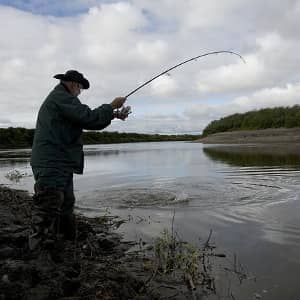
<point x="271" y="174"/>
<point x="248" y="195"/>
<point x="251" y="155"/>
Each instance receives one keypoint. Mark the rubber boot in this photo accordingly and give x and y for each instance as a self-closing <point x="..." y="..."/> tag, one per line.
<point x="45" y="221"/>
<point x="68" y="227"/>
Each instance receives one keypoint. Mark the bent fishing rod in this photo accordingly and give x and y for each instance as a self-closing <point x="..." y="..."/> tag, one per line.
<point x="180" y="64"/>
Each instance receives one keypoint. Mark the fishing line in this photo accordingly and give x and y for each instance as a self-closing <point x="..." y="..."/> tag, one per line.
<point x="180" y="64"/>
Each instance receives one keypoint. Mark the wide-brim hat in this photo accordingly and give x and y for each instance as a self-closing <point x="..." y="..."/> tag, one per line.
<point x="75" y="76"/>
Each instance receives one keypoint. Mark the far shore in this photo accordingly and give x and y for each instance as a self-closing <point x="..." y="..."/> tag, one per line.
<point x="263" y="136"/>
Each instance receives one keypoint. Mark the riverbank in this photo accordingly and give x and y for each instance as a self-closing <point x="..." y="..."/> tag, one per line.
<point x="90" y="268"/>
<point x="263" y="136"/>
<point x="99" y="264"/>
<point x="16" y="138"/>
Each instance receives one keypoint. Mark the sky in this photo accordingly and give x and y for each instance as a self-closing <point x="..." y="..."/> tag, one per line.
<point x="118" y="45"/>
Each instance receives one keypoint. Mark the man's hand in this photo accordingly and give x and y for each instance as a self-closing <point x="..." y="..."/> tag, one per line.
<point x="123" y="113"/>
<point x="118" y="102"/>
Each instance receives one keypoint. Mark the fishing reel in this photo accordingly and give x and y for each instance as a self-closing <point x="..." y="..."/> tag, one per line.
<point x="123" y="113"/>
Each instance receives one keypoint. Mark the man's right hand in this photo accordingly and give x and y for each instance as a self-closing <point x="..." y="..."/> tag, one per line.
<point x="118" y="102"/>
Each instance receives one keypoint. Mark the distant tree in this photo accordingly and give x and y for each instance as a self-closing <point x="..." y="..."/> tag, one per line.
<point x="22" y="137"/>
<point x="258" y="119"/>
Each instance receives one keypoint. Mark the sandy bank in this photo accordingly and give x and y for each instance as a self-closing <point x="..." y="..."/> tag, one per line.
<point x="276" y="136"/>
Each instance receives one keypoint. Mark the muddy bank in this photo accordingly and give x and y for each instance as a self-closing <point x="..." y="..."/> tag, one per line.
<point x="271" y="135"/>
<point x="98" y="264"/>
<point x="90" y="268"/>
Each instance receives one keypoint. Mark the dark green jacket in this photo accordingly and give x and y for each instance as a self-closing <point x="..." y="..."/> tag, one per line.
<point x="58" y="136"/>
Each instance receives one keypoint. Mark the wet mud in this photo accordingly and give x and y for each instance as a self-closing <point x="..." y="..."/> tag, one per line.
<point x="92" y="267"/>
<point x="99" y="264"/>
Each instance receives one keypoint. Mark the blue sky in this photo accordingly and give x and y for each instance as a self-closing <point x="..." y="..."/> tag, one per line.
<point x="120" y="44"/>
<point x="58" y="8"/>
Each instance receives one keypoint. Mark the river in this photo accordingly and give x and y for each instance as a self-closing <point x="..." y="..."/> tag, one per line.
<point x="248" y="196"/>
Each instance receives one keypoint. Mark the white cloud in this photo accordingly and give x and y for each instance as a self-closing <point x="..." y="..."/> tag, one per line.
<point x="232" y="77"/>
<point x="119" y="45"/>
<point x="190" y="14"/>
<point x="164" y="85"/>
<point x="268" y="97"/>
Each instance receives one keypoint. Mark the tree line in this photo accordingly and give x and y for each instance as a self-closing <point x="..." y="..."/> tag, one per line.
<point x="23" y="137"/>
<point x="277" y="117"/>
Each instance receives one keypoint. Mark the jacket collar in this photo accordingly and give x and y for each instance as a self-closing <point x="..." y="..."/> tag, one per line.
<point x="62" y="87"/>
<point x="65" y="87"/>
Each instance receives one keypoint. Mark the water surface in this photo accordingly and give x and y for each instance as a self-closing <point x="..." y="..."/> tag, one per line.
<point x="248" y="196"/>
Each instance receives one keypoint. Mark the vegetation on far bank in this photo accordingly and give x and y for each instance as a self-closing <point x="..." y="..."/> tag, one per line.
<point x="278" y="117"/>
<point x="23" y="137"/>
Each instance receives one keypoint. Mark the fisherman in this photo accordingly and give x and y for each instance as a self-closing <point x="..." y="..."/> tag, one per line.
<point x="57" y="153"/>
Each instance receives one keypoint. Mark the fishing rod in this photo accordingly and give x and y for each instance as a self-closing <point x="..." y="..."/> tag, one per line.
<point x="126" y="110"/>
<point x="180" y="64"/>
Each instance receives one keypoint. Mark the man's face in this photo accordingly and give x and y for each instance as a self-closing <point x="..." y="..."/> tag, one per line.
<point x="76" y="88"/>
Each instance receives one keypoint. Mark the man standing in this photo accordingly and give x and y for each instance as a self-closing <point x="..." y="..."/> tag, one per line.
<point x="57" y="153"/>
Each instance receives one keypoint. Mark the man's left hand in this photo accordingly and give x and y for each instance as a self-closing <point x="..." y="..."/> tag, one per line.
<point x="123" y="113"/>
